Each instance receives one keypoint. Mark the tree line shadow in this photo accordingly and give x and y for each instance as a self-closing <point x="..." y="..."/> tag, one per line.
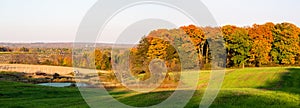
<point x="225" y="99"/>
<point x="288" y="82"/>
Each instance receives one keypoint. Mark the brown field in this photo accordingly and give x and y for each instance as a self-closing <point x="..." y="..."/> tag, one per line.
<point x="35" y="68"/>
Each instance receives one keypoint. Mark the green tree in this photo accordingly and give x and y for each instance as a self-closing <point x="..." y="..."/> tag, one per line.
<point x="238" y="44"/>
<point x="138" y="58"/>
<point x="286" y="43"/>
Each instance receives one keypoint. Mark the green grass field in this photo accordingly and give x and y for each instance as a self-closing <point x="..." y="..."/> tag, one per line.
<point x="274" y="87"/>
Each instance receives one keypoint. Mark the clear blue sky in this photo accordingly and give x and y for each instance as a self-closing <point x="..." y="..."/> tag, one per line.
<point x="58" y="20"/>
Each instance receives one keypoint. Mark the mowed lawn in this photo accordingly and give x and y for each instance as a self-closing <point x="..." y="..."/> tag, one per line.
<point x="275" y="87"/>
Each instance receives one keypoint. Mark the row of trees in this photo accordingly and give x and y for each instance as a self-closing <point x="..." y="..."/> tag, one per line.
<point x="38" y="59"/>
<point x="37" y="56"/>
<point x="183" y="48"/>
<point x="265" y="44"/>
<point x="259" y="45"/>
<point x="7" y="49"/>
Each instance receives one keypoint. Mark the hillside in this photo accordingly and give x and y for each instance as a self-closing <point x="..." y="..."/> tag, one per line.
<point x="247" y="88"/>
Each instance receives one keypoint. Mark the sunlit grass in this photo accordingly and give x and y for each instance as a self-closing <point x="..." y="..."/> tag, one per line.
<point x="276" y="87"/>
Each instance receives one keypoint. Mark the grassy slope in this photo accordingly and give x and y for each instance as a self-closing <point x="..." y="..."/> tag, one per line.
<point x="250" y="87"/>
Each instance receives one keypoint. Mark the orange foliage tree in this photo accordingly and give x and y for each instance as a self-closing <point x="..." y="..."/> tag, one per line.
<point x="286" y="43"/>
<point x="262" y="38"/>
<point x="198" y="38"/>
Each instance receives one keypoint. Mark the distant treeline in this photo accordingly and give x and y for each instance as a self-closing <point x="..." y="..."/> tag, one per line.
<point x="36" y="56"/>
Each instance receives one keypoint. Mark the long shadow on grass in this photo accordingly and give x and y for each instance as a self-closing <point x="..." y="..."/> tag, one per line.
<point x="288" y="82"/>
<point x="226" y="99"/>
<point x="248" y="99"/>
<point x="146" y="99"/>
<point x="154" y="98"/>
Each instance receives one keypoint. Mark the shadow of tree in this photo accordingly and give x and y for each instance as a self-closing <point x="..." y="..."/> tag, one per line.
<point x="146" y="99"/>
<point x="251" y="99"/>
<point x="227" y="98"/>
<point x="287" y="82"/>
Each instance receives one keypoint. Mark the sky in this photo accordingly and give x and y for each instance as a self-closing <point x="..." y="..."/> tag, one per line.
<point x="58" y="20"/>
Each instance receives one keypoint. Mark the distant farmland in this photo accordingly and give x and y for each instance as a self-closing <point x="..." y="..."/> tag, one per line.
<point x="35" y="68"/>
<point x="41" y="68"/>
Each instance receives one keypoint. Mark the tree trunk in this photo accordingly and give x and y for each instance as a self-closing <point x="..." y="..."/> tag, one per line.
<point x="206" y="61"/>
<point x="243" y="65"/>
<point x="200" y="56"/>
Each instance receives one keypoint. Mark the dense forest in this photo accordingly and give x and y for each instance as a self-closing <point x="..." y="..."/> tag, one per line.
<point x="267" y="44"/>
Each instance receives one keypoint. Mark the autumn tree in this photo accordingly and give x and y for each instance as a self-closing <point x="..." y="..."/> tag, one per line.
<point x="298" y="56"/>
<point x="286" y="43"/>
<point x="57" y="59"/>
<point x="67" y="61"/>
<point x="197" y="36"/>
<point x="262" y="38"/>
<point x="138" y="59"/>
<point x="23" y="49"/>
<point x="157" y="46"/>
<point x="103" y="59"/>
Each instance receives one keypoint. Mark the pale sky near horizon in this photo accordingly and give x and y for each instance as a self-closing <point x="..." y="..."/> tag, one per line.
<point x="58" y="20"/>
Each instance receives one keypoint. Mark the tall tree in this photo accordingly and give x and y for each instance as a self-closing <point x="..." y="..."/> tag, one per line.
<point x="67" y="61"/>
<point x="262" y="38"/>
<point x="212" y="34"/>
<point x="238" y="44"/>
<point x="102" y="59"/>
<point x="298" y="56"/>
<point x="157" y="49"/>
<point x="286" y="43"/>
<point x="138" y="57"/>
<point x="197" y="36"/>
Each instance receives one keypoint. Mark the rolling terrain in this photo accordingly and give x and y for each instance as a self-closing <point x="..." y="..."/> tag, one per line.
<point x="250" y="87"/>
